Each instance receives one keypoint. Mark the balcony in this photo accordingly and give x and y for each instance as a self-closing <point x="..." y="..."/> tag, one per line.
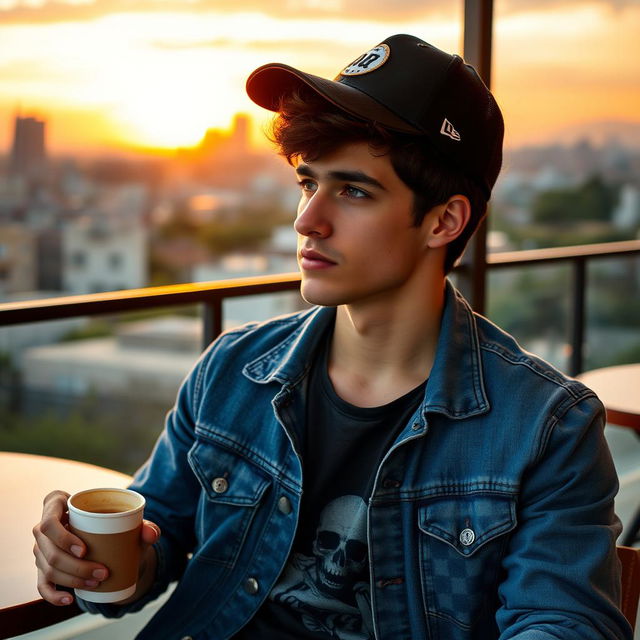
<point x="582" y="270"/>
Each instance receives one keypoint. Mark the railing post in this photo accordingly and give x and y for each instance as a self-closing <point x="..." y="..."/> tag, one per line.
<point x="578" y="314"/>
<point x="211" y="320"/>
<point x="478" y="30"/>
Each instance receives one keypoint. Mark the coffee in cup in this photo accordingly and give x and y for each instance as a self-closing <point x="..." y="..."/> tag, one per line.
<point x="109" y="521"/>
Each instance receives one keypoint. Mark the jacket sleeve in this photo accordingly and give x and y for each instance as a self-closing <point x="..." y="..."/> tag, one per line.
<point x="562" y="571"/>
<point x="171" y="491"/>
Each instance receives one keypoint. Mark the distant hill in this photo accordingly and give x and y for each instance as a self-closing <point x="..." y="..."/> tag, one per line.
<point x="624" y="133"/>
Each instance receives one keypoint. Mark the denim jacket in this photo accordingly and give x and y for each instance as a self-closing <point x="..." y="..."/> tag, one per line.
<point x="491" y="515"/>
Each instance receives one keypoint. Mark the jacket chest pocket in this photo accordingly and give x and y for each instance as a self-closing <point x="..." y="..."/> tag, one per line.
<point x="462" y="542"/>
<point x="232" y="487"/>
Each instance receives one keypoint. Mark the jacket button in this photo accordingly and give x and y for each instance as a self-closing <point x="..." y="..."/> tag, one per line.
<point x="220" y="485"/>
<point x="284" y="505"/>
<point x="390" y="483"/>
<point x="251" y="586"/>
<point x="186" y="638"/>
<point x="467" y="536"/>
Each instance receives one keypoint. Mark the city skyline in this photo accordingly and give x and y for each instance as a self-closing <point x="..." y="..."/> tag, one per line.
<point x="109" y="74"/>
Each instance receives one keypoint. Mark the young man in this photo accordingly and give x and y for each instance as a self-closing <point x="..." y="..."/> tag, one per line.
<point x="386" y="464"/>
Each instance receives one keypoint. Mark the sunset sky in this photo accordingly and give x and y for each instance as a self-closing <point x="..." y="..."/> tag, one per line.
<point x="158" y="73"/>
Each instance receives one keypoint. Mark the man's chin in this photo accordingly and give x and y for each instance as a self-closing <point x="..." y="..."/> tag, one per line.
<point x="320" y="296"/>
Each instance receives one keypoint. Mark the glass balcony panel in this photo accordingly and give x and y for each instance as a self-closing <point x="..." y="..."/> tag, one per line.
<point x="533" y="304"/>
<point x="613" y="312"/>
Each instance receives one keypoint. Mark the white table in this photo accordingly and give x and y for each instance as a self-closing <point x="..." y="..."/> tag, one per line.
<point x="24" y="481"/>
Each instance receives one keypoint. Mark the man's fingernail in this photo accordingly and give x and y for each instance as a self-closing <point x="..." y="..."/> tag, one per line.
<point x="76" y="550"/>
<point x="91" y="583"/>
<point x="99" y="574"/>
<point x="66" y="600"/>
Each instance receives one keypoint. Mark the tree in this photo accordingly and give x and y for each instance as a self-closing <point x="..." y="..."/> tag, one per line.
<point x="593" y="200"/>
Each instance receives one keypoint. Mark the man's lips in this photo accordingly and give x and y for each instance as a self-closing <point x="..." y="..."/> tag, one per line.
<point x="312" y="259"/>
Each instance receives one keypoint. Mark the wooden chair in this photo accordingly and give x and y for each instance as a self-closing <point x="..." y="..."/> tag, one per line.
<point x="630" y="560"/>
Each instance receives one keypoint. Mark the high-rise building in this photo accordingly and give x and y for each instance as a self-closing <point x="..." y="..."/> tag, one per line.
<point x="28" y="154"/>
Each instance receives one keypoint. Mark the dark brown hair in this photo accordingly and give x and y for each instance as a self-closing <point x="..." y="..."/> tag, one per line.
<point x="308" y="127"/>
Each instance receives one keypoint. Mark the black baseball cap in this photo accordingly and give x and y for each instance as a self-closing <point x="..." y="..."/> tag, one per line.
<point x="410" y="86"/>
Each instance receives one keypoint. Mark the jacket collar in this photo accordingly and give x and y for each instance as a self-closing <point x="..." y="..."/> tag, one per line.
<point x="456" y="383"/>
<point x="455" y="387"/>
<point x="291" y="359"/>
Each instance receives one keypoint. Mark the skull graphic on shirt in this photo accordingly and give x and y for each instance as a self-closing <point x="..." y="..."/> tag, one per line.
<point x="328" y="589"/>
<point x="340" y="544"/>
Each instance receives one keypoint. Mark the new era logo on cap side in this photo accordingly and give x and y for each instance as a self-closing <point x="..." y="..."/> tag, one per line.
<point x="447" y="129"/>
<point x="368" y="62"/>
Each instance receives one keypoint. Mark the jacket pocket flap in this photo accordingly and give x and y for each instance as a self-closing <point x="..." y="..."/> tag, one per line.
<point x="467" y="522"/>
<point x="226" y="476"/>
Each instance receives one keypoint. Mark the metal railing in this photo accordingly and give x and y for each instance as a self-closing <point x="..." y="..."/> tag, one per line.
<point x="211" y="295"/>
<point x="578" y="257"/>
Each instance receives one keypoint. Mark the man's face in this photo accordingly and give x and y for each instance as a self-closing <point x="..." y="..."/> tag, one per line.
<point x="356" y="242"/>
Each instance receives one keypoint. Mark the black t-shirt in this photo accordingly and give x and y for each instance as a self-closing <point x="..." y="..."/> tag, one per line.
<point x="324" y="590"/>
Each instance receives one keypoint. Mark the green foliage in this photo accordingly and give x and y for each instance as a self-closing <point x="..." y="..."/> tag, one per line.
<point x="223" y="237"/>
<point x="630" y="355"/>
<point x="613" y="302"/>
<point x="594" y="200"/>
<point x="51" y="436"/>
<point x="529" y="304"/>
<point x="114" y="433"/>
<point x="534" y="236"/>
<point x="96" y="328"/>
<point x="232" y="229"/>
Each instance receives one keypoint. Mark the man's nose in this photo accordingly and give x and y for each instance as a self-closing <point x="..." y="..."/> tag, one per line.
<point x="313" y="217"/>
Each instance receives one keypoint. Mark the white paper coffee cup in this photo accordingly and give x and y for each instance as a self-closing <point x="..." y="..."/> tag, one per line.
<point x="109" y="521"/>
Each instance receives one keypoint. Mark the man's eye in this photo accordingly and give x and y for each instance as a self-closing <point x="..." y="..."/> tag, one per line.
<point x="354" y="192"/>
<point x="307" y="185"/>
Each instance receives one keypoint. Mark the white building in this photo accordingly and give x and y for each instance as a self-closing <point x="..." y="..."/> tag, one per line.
<point x="627" y="213"/>
<point x="106" y="249"/>
<point x="18" y="269"/>
<point x="98" y="258"/>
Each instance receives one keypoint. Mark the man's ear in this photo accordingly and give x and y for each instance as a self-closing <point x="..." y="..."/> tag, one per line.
<point x="445" y="222"/>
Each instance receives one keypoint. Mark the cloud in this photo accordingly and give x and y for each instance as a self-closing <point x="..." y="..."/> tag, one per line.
<point x="296" y="45"/>
<point x="23" y="71"/>
<point x="48" y="11"/>
<point x="520" y="6"/>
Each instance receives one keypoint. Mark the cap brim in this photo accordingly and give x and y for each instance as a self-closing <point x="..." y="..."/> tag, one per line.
<point x="267" y="85"/>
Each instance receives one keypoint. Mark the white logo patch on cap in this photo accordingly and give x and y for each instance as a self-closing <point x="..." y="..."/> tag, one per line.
<point x="368" y="62"/>
<point x="447" y="129"/>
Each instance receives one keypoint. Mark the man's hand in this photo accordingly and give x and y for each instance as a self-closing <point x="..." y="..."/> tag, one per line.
<point x="59" y="555"/>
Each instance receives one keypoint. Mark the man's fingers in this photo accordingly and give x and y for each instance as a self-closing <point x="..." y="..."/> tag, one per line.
<point x="49" y="592"/>
<point x="58" y="554"/>
<point x="63" y="569"/>
<point x="150" y="532"/>
<point x="52" y="528"/>
<point x="50" y="558"/>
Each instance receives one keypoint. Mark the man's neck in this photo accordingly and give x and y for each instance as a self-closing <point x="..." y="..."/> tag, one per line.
<point x="381" y="351"/>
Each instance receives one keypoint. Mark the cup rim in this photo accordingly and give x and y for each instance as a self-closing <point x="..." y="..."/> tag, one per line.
<point x="118" y="514"/>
